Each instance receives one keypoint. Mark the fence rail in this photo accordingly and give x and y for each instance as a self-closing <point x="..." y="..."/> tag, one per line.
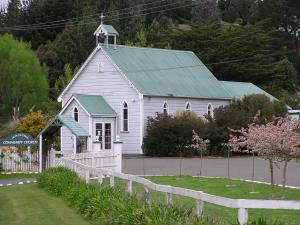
<point x="19" y="161"/>
<point x="110" y="159"/>
<point x="241" y="204"/>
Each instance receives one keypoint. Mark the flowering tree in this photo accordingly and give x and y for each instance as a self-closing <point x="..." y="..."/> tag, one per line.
<point x="275" y="141"/>
<point x="199" y="144"/>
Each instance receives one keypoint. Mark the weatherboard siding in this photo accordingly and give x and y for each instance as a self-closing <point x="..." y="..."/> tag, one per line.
<point x="114" y="88"/>
<point x="66" y="135"/>
<point x="153" y="105"/>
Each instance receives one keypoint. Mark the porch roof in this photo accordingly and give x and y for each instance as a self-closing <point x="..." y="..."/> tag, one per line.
<point x="69" y="122"/>
<point x="95" y="104"/>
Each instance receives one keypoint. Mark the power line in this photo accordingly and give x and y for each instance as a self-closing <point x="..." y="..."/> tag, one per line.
<point x="56" y="24"/>
<point x="87" y="16"/>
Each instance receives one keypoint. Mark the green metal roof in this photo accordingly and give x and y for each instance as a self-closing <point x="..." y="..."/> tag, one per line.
<point x="240" y="89"/>
<point x="95" y="104"/>
<point x="165" y="72"/>
<point x="110" y="29"/>
<point x="72" y="125"/>
<point x="69" y="122"/>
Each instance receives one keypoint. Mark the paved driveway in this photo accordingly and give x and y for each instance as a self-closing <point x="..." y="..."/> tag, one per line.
<point x="240" y="167"/>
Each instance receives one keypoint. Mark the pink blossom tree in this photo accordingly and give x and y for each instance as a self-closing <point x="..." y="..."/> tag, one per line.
<point x="199" y="145"/>
<point x="275" y="141"/>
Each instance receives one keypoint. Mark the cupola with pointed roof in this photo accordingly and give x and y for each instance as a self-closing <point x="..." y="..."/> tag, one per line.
<point x="105" y="31"/>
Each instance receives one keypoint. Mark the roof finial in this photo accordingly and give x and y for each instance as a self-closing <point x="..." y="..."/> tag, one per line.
<point x="102" y="17"/>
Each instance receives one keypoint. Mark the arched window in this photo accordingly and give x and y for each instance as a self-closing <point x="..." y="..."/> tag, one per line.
<point x="125" y="116"/>
<point x="210" y="110"/>
<point x="188" y="107"/>
<point x="76" y="114"/>
<point x="165" y="108"/>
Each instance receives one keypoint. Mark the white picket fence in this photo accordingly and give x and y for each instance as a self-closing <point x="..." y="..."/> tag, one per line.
<point x="19" y="161"/>
<point x="200" y="197"/>
<point x="107" y="159"/>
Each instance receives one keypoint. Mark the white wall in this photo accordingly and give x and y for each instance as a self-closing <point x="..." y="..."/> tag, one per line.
<point x="67" y="139"/>
<point x="152" y="105"/>
<point x="115" y="89"/>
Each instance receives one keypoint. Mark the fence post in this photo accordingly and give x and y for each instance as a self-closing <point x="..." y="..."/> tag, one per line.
<point x="118" y="154"/>
<point x="87" y="176"/>
<point x="199" y="208"/>
<point x="93" y="160"/>
<point x="129" y="187"/>
<point x="243" y="216"/>
<point x="169" y="198"/>
<point x="148" y="196"/>
<point x="112" y="181"/>
<point x="100" y="178"/>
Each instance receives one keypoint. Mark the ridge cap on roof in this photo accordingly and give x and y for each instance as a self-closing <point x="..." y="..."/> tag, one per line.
<point x="148" y="48"/>
<point x="87" y="95"/>
<point x="230" y="81"/>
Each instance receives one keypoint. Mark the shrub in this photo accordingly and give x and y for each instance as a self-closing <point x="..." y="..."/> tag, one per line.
<point x="105" y="205"/>
<point x="168" y="135"/>
<point x="239" y="114"/>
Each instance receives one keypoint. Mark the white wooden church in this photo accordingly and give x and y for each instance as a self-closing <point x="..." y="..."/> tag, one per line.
<point x="118" y="87"/>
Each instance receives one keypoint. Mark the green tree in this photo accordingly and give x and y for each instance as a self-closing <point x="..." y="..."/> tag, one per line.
<point x="63" y="80"/>
<point x="260" y="106"/>
<point x="240" y="11"/>
<point x="283" y="14"/>
<point x="239" y="113"/>
<point x="250" y="53"/>
<point x="33" y="123"/>
<point x="23" y="81"/>
<point x="72" y="46"/>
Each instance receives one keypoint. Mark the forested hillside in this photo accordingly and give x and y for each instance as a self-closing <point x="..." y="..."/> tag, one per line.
<point x="240" y="40"/>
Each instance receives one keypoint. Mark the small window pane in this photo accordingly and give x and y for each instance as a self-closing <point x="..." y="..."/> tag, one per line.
<point x="107" y="138"/>
<point x="125" y="117"/>
<point x="125" y="113"/>
<point x="125" y="125"/>
<point x="209" y="110"/>
<point x="188" y="107"/>
<point x="98" y="131"/>
<point x="75" y="114"/>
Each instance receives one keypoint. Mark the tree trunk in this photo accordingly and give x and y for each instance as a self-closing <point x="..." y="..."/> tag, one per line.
<point x="201" y="158"/>
<point x="284" y="179"/>
<point x="272" y="178"/>
<point x="180" y="164"/>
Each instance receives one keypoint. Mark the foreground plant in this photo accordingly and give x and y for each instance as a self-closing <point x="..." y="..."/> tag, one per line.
<point x="105" y="205"/>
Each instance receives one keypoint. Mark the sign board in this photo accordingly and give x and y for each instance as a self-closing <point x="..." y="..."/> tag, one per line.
<point x="18" y="139"/>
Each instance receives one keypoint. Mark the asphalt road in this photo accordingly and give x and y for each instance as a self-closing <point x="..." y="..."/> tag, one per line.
<point x="240" y="168"/>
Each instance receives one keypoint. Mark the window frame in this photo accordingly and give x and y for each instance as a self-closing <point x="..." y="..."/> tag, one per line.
<point x="122" y="117"/>
<point x="211" y="110"/>
<point x="76" y="108"/>
<point x="188" y="109"/>
<point x="103" y="136"/>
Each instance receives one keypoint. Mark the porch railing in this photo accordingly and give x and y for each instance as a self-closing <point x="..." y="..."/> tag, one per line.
<point x="106" y="159"/>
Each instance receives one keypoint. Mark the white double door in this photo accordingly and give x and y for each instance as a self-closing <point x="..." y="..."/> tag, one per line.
<point x="103" y="134"/>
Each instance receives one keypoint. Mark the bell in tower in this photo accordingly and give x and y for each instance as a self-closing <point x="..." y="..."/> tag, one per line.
<point x="105" y="32"/>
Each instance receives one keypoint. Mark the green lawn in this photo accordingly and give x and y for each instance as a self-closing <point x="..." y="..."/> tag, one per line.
<point x="30" y="205"/>
<point x="217" y="186"/>
<point x="17" y="175"/>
